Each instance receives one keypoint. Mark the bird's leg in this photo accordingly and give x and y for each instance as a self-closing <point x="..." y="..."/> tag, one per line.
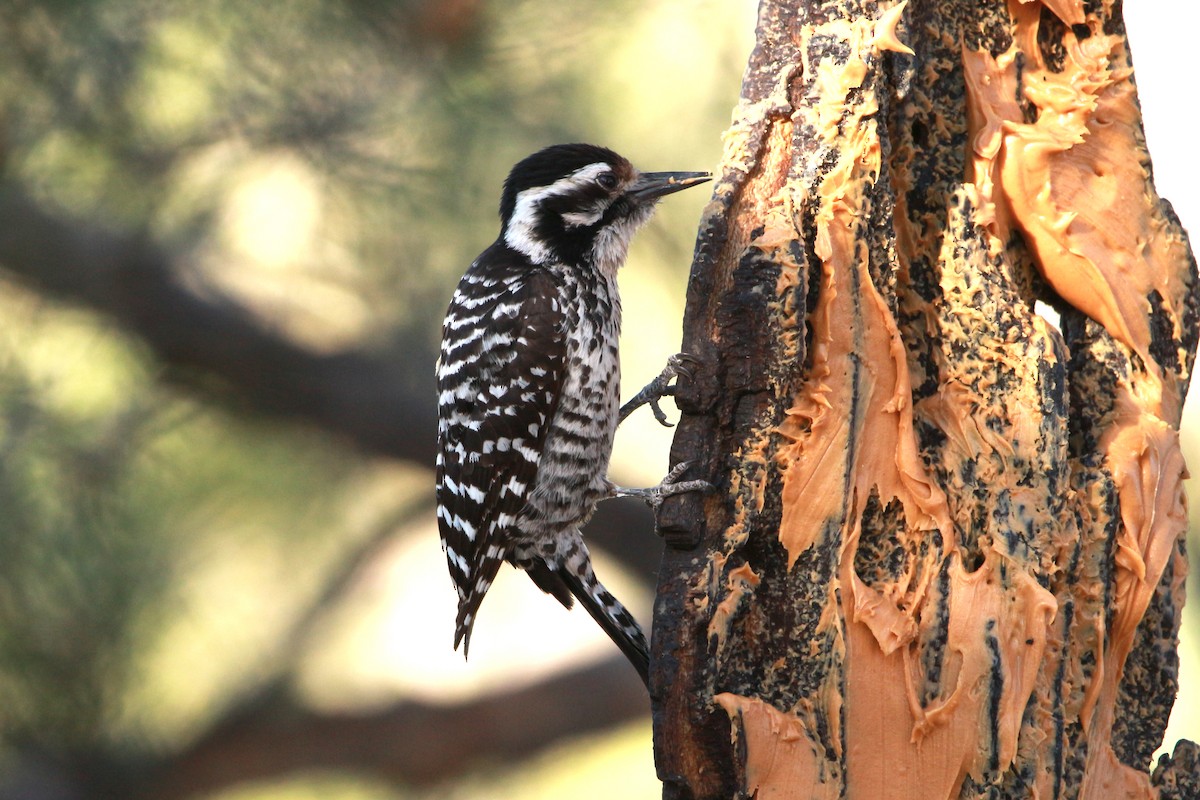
<point x="655" y="390"/>
<point x="655" y="495"/>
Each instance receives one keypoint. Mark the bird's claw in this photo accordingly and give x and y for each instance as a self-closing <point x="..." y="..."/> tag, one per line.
<point x="684" y="364"/>
<point x="656" y="409"/>
<point x="660" y="387"/>
<point x="669" y="486"/>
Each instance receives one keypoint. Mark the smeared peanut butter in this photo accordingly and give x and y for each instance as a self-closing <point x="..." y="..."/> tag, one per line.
<point x="1076" y="178"/>
<point x="943" y="527"/>
<point x="885" y="30"/>
<point x="1075" y="181"/>
<point x="792" y="766"/>
<point x="740" y="585"/>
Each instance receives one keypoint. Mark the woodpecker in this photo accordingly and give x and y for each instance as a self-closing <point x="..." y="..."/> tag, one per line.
<point x="529" y="384"/>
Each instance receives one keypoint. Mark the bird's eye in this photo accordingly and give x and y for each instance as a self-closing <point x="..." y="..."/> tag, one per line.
<point x="607" y="180"/>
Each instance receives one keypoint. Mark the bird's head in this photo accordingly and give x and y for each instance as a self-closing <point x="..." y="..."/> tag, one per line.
<point x="581" y="204"/>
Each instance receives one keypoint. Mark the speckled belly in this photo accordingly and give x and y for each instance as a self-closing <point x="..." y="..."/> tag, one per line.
<point x="573" y="471"/>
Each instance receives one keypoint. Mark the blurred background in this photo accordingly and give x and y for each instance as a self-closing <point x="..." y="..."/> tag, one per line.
<point x="230" y="231"/>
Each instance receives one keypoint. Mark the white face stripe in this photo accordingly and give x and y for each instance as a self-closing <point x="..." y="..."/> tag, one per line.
<point x="520" y="233"/>
<point x="575" y="219"/>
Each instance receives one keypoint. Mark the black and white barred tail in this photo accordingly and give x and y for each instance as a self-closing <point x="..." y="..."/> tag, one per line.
<point x="608" y="612"/>
<point x="572" y="575"/>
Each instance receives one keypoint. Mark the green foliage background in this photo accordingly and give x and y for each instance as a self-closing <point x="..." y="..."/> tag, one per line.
<point x="335" y="166"/>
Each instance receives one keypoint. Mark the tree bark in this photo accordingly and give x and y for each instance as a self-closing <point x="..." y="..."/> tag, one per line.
<point x="946" y="557"/>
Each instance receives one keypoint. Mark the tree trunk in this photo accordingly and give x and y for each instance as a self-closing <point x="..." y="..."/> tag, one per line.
<point x="946" y="554"/>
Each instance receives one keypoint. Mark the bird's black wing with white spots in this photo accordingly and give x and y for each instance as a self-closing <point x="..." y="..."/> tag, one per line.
<point x="499" y="379"/>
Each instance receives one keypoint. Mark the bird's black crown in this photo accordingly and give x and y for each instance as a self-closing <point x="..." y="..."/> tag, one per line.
<point x="546" y="166"/>
<point x="581" y="204"/>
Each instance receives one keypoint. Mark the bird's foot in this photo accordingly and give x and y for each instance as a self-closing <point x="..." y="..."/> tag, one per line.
<point x="670" y="485"/>
<point x="655" y="390"/>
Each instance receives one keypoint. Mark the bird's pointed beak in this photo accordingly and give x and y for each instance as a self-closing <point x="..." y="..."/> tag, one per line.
<point x="653" y="185"/>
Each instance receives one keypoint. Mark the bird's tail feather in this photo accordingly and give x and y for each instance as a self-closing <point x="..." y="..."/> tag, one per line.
<point x="606" y="609"/>
<point x="469" y="598"/>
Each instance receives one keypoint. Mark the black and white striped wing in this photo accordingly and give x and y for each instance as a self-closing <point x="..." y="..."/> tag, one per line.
<point x="499" y="379"/>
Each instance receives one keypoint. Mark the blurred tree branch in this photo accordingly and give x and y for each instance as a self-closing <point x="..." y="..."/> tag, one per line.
<point x="381" y="402"/>
<point x="410" y="744"/>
